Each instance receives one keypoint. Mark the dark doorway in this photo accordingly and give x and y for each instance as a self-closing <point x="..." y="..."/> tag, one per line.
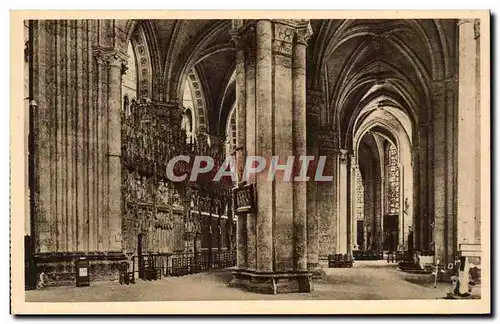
<point x="391" y="232"/>
<point x="361" y="234"/>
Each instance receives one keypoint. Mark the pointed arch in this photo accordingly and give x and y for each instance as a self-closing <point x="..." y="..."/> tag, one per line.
<point x="194" y="98"/>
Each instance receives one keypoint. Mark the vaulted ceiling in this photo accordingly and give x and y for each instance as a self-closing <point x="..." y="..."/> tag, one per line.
<point x="393" y="62"/>
<point x="353" y="62"/>
<point x="180" y="46"/>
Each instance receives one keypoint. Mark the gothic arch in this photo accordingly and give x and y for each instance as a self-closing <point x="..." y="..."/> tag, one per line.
<point x="200" y="116"/>
<point x="141" y="35"/>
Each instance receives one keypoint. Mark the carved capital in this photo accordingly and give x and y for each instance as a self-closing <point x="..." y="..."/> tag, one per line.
<point x="328" y="139"/>
<point x="315" y="101"/>
<point x="344" y="156"/>
<point x="304" y="33"/>
<point x="111" y="57"/>
<point x="243" y="34"/>
<point x="283" y="39"/>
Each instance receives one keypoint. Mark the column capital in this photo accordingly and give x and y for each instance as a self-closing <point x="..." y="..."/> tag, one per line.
<point x="244" y="37"/>
<point x="283" y="39"/>
<point x="304" y="33"/>
<point x="345" y="155"/>
<point x="287" y="32"/>
<point x="315" y="101"/>
<point x="111" y="57"/>
<point x="328" y="139"/>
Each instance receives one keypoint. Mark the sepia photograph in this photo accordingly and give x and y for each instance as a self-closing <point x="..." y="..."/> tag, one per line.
<point x="280" y="162"/>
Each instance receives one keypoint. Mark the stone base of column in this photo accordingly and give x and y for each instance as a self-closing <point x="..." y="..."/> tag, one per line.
<point x="272" y="283"/>
<point x="316" y="270"/>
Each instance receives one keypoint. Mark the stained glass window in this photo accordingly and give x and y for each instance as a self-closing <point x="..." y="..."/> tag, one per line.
<point x="360" y="196"/>
<point x="393" y="179"/>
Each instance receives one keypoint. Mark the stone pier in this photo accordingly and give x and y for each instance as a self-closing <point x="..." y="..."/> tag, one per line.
<point x="273" y="53"/>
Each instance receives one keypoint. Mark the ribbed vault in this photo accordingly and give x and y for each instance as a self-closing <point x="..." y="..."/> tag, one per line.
<point x="357" y="62"/>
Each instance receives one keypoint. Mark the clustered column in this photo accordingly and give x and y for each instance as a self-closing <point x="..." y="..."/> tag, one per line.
<point x="327" y="198"/>
<point x="77" y="181"/>
<point x="273" y="54"/>
<point x="354" y="206"/>
<point x="299" y="131"/>
<point x="264" y="143"/>
<point x="314" y="102"/>
<point x="343" y="219"/>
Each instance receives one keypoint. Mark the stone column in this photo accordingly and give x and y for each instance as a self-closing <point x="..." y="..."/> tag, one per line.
<point x="426" y="184"/>
<point x="249" y="41"/>
<point x="469" y="140"/>
<point x="343" y="220"/>
<point x="326" y="198"/>
<point x="263" y="145"/>
<point x="401" y="217"/>
<point x="241" y="232"/>
<point x="354" y="205"/>
<point x="314" y="103"/>
<point x="274" y="59"/>
<point x="299" y="132"/>
<point x="116" y="69"/>
<point x="77" y="132"/>
<point x="438" y="221"/>
<point x="443" y="224"/>
<point x="416" y="209"/>
<point x="377" y="212"/>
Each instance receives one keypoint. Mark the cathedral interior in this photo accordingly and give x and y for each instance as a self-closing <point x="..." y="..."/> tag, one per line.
<point x="394" y="105"/>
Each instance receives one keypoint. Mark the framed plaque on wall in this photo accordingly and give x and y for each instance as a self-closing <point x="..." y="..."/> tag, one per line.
<point x="244" y="199"/>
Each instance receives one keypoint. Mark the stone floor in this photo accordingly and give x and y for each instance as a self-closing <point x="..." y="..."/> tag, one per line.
<point x="367" y="280"/>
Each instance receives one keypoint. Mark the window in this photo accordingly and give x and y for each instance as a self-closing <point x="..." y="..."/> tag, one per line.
<point x="129" y="81"/>
<point x="231" y="132"/>
<point x="188" y="118"/>
<point x="360" y="196"/>
<point x="393" y="179"/>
